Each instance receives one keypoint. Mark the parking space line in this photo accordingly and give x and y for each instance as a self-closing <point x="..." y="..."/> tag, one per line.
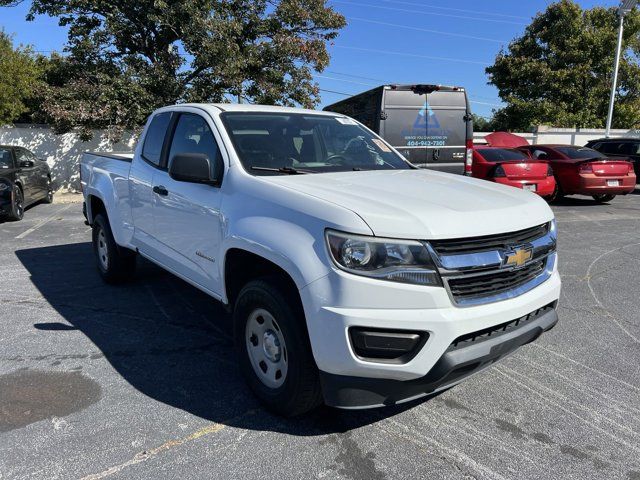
<point x="148" y="454"/>
<point x="42" y="222"/>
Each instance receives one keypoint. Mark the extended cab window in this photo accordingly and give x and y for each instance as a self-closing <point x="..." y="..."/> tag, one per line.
<point x="154" y="139"/>
<point x="193" y="135"/>
<point x="6" y="160"/>
<point x="267" y="143"/>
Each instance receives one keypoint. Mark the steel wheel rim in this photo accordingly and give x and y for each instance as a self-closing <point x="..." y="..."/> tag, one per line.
<point x="103" y="253"/>
<point x="266" y="348"/>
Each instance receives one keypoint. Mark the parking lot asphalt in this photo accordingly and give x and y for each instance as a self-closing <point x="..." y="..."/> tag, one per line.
<point x="140" y="382"/>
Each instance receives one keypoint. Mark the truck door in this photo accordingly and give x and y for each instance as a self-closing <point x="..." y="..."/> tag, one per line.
<point x="446" y="113"/>
<point x="146" y="162"/>
<point x="404" y="124"/>
<point x="187" y="218"/>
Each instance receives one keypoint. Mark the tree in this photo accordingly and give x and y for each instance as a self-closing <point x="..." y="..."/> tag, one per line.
<point x="19" y="79"/>
<point x="482" y="124"/>
<point x="125" y="58"/>
<point x="560" y="71"/>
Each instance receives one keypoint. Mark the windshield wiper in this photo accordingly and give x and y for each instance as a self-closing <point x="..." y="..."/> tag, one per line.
<point x="287" y="170"/>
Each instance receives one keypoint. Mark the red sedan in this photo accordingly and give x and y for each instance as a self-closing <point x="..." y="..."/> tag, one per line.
<point x="583" y="171"/>
<point x="513" y="167"/>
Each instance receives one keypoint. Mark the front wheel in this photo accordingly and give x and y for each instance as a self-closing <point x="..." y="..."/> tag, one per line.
<point x="273" y="347"/>
<point x="603" y="197"/>
<point x="115" y="263"/>
<point x="16" y="212"/>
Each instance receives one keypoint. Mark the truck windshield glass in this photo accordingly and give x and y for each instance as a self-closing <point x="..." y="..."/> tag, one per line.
<point x="501" y="154"/>
<point x="283" y="143"/>
<point x="580" y="152"/>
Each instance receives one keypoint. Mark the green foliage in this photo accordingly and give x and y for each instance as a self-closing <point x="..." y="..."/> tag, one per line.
<point x="560" y="71"/>
<point x="482" y="124"/>
<point x="126" y="58"/>
<point x="19" y="79"/>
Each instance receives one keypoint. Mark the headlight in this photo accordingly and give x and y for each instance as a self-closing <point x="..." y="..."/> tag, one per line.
<point x="553" y="229"/>
<point x="403" y="261"/>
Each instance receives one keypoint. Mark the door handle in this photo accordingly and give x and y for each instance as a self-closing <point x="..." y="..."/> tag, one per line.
<point x="160" y="190"/>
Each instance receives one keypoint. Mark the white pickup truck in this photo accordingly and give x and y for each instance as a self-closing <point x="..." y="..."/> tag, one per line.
<point x="353" y="277"/>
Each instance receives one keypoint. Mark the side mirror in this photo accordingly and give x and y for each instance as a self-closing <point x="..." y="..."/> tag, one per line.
<point x="27" y="164"/>
<point x="192" y="168"/>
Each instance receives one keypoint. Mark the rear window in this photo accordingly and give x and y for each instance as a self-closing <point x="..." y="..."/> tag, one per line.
<point x="579" y="152"/>
<point x="502" y="154"/>
<point x="154" y="139"/>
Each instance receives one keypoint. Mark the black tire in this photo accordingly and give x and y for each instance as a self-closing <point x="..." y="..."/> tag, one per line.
<point x="300" y="391"/>
<point x="49" y="195"/>
<point x="603" y="197"/>
<point x="557" y="194"/>
<point x="16" y="213"/>
<point x="115" y="264"/>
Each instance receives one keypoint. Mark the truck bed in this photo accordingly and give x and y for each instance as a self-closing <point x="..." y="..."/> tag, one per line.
<point x="124" y="156"/>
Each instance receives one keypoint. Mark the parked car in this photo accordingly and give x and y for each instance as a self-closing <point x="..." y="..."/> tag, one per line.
<point x="619" y="148"/>
<point x="513" y="167"/>
<point x="352" y="276"/>
<point x="584" y="171"/>
<point x="431" y="125"/>
<point x="24" y="180"/>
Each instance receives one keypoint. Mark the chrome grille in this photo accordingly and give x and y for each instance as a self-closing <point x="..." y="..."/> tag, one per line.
<point x="475" y="270"/>
<point x="495" y="282"/>
<point x="489" y="242"/>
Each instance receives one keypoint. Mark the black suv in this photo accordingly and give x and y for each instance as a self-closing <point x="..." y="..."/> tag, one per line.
<point x="24" y="180"/>
<point x="619" y="147"/>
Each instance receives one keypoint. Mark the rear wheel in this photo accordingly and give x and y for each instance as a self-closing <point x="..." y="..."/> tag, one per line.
<point x="17" y="204"/>
<point x="49" y="195"/>
<point x="273" y="347"/>
<point x="603" y="197"/>
<point x="115" y="263"/>
<point x="557" y="194"/>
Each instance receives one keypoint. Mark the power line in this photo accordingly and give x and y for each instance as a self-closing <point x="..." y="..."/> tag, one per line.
<point x="346" y="81"/>
<point x="457" y="9"/>
<point x="450" y="15"/>
<point x="338" y="93"/>
<point x="427" y="30"/>
<point x="414" y="55"/>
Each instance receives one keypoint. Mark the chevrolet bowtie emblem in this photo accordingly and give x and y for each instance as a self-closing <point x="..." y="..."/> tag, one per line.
<point x="518" y="256"/>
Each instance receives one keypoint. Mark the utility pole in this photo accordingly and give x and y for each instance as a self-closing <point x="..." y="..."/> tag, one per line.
<point x="625" y="7"/>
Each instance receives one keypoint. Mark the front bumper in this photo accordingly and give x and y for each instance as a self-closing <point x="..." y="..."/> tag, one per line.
<point x="457" y="363"/>
<point x="339" y="301"/>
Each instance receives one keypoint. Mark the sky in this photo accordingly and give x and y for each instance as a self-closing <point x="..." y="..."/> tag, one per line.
<point x="385" y="41"/>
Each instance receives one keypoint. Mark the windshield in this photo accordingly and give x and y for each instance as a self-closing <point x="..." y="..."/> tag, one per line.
<point x="502" y="154"/>
<point x="5" y="158"/>
<point x="580" y="152"/>
<point x="284" y="143"/>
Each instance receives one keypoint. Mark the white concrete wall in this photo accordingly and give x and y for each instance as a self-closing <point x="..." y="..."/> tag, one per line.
<point x="62" y="152"/>
<point x="570" y="136"/>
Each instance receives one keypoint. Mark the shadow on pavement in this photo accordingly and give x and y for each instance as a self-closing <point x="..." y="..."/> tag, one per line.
<point x="167" y="339"/>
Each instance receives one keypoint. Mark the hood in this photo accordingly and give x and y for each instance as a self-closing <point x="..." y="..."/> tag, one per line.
<point x="423" y="204"/>
<point x="505" y="139"/>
